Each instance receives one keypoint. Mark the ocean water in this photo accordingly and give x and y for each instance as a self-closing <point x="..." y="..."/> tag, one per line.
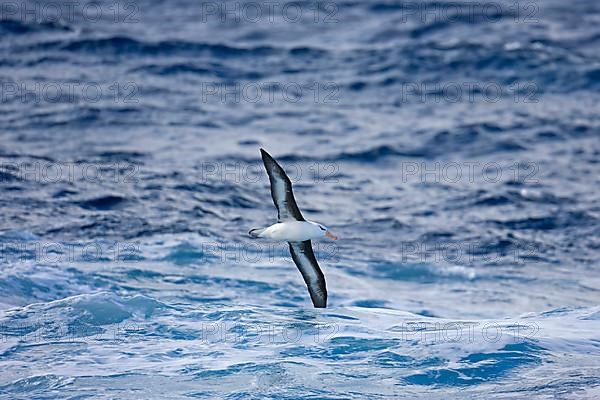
<point x="453" y="146"/>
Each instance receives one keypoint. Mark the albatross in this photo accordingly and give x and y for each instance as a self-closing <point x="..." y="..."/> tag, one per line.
<point x="291" y="227"/>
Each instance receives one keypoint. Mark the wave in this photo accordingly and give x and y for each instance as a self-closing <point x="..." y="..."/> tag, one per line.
<point x="104" y="203"/>
<point x="88" y="310"/>
<point x="122" y="45"/>
<point x="560" y="220"/>
<point x="424" y="273"/>
<point x="415" y="350"/>
<point x="21" y="27"/>
<point x="220" y="71"/>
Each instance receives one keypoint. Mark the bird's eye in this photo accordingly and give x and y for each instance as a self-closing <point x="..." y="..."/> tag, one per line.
<point x="323" y="229"/>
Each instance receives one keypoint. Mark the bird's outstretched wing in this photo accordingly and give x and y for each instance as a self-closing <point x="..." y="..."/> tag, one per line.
<point x="305" y="260"/>
<point x="281" y="190"/>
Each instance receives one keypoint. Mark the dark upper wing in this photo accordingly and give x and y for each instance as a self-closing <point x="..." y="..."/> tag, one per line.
<point x="281" y="190"/>
<point x="305" y="260"/>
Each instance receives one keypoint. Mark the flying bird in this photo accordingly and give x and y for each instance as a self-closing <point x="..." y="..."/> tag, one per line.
<point x="291" y="227"/>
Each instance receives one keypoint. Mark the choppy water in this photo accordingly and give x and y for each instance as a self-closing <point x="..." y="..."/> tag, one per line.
<point x="453" y="146"/>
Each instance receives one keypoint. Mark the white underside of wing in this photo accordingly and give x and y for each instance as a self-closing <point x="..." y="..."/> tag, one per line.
<point x="292" y="231"/>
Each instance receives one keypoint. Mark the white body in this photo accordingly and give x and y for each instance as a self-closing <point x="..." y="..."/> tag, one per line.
<point x="294" y="231"/>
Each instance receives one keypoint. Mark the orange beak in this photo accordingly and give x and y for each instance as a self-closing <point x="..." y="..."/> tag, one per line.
<point x="331" y="235"/>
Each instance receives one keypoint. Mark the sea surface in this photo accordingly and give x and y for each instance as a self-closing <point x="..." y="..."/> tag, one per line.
<point x="453" y="146"/>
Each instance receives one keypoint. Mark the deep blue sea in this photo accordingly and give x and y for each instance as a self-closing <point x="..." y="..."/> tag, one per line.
<point x="453" y="146"/>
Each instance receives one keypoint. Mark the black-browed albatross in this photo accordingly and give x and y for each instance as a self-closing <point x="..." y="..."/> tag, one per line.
<point x="294" y="229"/>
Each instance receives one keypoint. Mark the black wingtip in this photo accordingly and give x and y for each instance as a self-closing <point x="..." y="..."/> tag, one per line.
<point x="267" y="158"/>
<point x="320" y="305"/>
<point x="264" y="153"/>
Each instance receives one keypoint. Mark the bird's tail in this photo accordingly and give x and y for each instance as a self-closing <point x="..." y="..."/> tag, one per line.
<point x="256" y="232"/>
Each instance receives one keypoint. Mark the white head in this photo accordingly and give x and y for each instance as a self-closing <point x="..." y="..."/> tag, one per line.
<point x="322" y="230"/>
